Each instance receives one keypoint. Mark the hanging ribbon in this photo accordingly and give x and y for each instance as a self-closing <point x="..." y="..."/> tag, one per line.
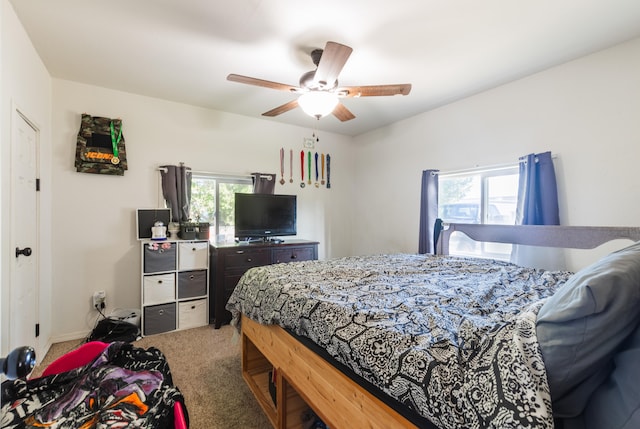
<point x="290" y="165"/>
<point x="282" y="166"/>
<point x="328" y="171"/>
<point x="114" y="143"/>
<point x="302" y="168"/>
<point x="309" y="167"/>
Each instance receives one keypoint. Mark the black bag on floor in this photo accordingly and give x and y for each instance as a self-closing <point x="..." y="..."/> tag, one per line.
<point x="109" y="330"/>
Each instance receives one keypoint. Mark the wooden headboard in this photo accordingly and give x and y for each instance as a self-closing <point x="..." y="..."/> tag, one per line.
<point x="569" y="237"/>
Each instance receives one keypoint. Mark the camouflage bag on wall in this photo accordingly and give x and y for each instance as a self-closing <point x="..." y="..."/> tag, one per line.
<point x="100" y="147"/>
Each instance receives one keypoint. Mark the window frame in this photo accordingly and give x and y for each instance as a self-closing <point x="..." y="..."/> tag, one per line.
<point x="484" y="174"/>
<point x="219" y="179"/>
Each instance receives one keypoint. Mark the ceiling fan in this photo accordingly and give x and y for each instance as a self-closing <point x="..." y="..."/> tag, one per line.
<point x="319" y="90"/>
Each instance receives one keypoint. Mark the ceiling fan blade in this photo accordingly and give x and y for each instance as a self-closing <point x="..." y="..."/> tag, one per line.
<point x="263" y="83"/>
<point x="282" y="109"/>
<point x="374" y="90"/>
<point x="333" y="59"/>
<point x="341" y="112"/>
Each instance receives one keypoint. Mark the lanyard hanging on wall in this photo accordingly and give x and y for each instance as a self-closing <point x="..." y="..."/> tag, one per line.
<point x="328" y="171"/>
<point x="282" y="166"/>
<point x="114" y="144"/>
<point x="302" y="168"/>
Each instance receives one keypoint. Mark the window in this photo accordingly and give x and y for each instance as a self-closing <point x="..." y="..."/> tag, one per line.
<point x="212" y="200"/>
<point x="483" y="197"/>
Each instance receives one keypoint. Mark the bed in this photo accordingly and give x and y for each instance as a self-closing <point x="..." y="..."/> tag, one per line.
<point x="105" y="385"/>
<point x="446" y="342"/>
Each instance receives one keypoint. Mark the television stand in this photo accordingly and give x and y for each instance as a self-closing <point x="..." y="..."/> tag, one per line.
<point x="229" y="261"/>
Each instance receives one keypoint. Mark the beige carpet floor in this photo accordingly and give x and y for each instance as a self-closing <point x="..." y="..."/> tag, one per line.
<point x="205" y="364"/>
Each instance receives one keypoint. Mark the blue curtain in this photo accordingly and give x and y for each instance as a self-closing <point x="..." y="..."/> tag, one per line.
<point x="428" y="211"/>
<point x="537" y="191"/>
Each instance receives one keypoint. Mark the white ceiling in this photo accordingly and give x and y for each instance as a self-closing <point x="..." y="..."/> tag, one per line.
<point x="182" y="50"/>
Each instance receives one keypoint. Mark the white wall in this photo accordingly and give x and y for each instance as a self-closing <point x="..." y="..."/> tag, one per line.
<point x="586" y="111"/>
<point x="94" y="215"/>
<point x="26" y="85"/>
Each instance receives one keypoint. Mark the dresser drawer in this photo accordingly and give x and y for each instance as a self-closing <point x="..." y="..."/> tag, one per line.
<point x="230" y="282"/>
<point x="192" y="313"/>
<point x="159" y="256"/>
<point x="245" y="259"/>
<point x="159" y="288"/>
<point x="293" y="254"/>
<point x="159" y="318"/>
<point x="192" y="283"/>
<point x="193" y="256"/>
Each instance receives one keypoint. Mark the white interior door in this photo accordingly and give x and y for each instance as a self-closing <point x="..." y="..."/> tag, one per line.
<point x="23" y="312"/>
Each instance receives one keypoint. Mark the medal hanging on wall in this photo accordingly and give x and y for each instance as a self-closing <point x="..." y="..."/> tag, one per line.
<point x="114" y="144"/>
<point x="328" y="171"/>
<point x="316" y="159"/>
<point x="282" y="166"/>
<point x="309" y="168"/>
<point x="302" y="168"/>
<point x="322" y="170"/>
<point x="290" y="165"/>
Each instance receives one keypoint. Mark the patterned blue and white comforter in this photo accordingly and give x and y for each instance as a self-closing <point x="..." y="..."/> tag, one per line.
<point x="452" y="338"/>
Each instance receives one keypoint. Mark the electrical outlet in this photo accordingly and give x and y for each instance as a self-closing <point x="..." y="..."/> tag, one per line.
<point x="99" y="300"/>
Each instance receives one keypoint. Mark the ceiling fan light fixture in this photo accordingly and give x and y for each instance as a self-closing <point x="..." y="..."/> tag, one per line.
<point x="318" y="103"/>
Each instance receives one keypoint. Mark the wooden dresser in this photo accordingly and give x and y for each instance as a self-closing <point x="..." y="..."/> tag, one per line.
<point x="229" y="261"/>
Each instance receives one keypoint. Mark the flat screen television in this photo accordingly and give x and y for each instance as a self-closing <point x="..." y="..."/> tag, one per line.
<point x="265" y="215"/>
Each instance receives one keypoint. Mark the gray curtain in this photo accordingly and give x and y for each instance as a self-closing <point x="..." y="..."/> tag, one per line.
<point x="263" y="183"/>
<point x="176" y="189"/>
<point x="428" y="211"/>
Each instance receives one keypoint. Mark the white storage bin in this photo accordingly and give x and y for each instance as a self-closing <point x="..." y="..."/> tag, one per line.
<point x="192" y="313"/>
<point x="159" y="288"/>
<point x="193" y="255"/>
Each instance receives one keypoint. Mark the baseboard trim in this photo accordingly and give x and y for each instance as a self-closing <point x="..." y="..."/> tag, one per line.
<point x="69" y="337"/>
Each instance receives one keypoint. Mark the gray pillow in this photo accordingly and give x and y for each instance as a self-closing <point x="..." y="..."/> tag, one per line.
<point x="616" y="403"/>
<point x="580" y="327"/>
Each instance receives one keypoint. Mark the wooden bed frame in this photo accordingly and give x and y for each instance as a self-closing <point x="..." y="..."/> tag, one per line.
<point x="304" y="380"/>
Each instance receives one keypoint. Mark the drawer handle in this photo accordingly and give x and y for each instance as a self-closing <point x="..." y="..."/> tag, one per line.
<point x="191" y="277"/>
<point x="294" y="256"/>
<point x="249" y="260"/>
<point x="160" y="312"/>
<point x="159" y="282"/>
<point x="193" y="307"/>
<point x="194" y="249"/>
<point x="239" y="252"/>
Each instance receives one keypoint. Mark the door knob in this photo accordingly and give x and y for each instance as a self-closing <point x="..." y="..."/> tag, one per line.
<point x="26" y="251"/>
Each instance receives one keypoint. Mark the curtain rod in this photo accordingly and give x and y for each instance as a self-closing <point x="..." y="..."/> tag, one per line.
<point x="486" y="168"/>
<point x="229" y="175"/>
